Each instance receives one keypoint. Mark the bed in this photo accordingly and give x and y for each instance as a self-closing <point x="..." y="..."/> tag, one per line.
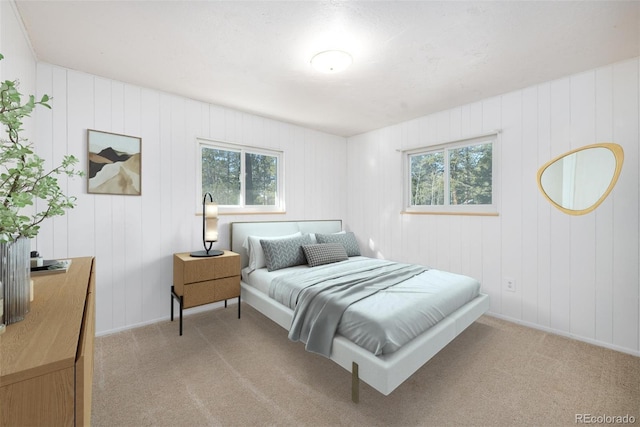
<point x="382" y="370"/>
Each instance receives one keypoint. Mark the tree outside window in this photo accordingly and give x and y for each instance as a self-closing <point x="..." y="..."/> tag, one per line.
<point x="452" y="176"/>
<point x="241" y="178"/>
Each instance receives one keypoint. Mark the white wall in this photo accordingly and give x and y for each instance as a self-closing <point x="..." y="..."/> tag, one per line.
<point x="19" y="62"/>
<point x="575" y="276"/>
<point x="134" y="237"/>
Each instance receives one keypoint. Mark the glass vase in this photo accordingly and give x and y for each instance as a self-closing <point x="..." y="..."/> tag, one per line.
<point x="15" y="274"/>
<point x="2" y="327"/>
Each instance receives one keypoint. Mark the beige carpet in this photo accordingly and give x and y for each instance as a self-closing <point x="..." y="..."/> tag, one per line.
<point x="224" y="372"/>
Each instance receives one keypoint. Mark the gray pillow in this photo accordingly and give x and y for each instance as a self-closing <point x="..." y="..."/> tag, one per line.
<point x="324" y="253"/>
<point x="283" y="253"/>
<point x="347" y="239"/>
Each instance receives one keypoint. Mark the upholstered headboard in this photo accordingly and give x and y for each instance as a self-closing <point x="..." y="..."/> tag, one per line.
<point x="241" y="230"/>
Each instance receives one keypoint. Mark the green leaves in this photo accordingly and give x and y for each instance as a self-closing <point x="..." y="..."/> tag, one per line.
<point x="28" y="193"/>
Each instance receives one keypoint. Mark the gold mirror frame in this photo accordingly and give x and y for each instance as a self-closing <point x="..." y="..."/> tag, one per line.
<point x="618" y="153"/>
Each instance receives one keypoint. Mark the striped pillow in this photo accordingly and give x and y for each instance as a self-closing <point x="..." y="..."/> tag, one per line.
<point x="324" y="253"/>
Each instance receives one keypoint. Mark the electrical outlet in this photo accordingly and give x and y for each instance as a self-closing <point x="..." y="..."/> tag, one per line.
<point x="509" y="284"/>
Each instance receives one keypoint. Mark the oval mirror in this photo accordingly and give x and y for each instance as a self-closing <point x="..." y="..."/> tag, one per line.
<point x="578" y="181"/>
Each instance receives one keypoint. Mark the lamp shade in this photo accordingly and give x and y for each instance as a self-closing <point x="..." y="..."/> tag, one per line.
<point x="209" y="227"/>
<point x="210" y="222"/>
<point x="211" y="230"/>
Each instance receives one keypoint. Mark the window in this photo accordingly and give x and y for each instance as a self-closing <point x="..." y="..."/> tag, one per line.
<point x="241" y="179"/>
<point x="458" y="177"/>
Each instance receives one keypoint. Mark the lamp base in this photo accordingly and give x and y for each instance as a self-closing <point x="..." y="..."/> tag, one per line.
<point x="205" y="254"/>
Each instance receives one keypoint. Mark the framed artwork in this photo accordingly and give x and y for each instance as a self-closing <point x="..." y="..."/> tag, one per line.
<point x="114" y="163"/>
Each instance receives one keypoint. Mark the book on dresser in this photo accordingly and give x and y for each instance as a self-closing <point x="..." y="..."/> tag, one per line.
<point x="52" y="266"/>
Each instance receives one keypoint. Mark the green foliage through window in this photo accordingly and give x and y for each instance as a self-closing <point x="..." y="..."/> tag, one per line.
<point x="452" y="175"/>
<point x="262" y="179"/>
<point x="221" y="175"/>
<point x="427" y="178"/>
<point x="470" y="175"/>
<point x="239" y="177"/>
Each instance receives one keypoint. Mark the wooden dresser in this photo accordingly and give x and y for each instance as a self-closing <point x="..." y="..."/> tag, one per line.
<point x="46" y="360"/>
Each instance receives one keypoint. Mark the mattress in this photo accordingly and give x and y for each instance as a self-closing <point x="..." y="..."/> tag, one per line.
<point x="390" y="318"/>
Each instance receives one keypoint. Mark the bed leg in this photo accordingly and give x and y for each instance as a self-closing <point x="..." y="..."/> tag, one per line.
<point x="355" y="383"/>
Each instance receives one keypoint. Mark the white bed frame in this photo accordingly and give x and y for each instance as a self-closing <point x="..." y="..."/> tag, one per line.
<point x="384" y="373"/>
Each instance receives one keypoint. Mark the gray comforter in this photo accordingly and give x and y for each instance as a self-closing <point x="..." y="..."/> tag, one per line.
<point x="377" y="304"/>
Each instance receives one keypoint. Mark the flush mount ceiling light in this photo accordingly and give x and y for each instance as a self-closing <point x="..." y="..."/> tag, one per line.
<point x="331" y="61"/>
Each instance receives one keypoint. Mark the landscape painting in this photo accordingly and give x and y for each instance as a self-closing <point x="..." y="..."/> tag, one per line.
<point x="114" y="163"/>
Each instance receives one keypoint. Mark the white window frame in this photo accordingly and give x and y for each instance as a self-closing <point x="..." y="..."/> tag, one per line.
<point x="279" y="207"/>
<point x="447" y="208"/>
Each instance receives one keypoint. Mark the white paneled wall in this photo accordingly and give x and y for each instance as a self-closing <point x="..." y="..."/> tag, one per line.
<point x="575" y="275"/>
<point x="133" y="237"/>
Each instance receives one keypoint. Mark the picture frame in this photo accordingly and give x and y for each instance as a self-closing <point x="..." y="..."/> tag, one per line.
<point x="114" y="163"/>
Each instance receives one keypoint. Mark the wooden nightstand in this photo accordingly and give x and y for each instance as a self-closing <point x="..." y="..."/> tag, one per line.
<point x="199" y="281"/>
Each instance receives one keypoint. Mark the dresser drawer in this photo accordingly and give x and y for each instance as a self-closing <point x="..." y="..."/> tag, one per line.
<point x="211" y="291"/>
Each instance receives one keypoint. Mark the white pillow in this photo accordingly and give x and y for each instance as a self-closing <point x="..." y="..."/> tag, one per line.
<point x="254" y="249"/>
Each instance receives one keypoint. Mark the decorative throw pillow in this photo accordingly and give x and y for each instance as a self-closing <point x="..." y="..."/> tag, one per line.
<point x="324" y="253"/>
<point x="283" y="253"/>
<point x="254" y="249"/>
<point x="347" y="239"/>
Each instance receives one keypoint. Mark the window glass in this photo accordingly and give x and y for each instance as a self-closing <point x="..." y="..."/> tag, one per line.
<point x="456" y="177"/>
<point x="262" y="179"/>
<point x="471" y="175"/>
<point x="221" y="175"/>
<point x="241" y="178"/>
<point x="427" y="178"/>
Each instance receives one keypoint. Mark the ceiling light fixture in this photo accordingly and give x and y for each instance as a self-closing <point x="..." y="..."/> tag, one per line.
<point x="331" y="61"/>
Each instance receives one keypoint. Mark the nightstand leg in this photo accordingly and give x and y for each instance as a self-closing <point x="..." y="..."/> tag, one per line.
<point x="181" y="301"/>
<point x="225" y="303"/>
<point x="238" y="306"/>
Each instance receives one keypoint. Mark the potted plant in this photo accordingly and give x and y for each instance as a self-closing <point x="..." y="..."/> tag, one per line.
<point x="23" y="181"/>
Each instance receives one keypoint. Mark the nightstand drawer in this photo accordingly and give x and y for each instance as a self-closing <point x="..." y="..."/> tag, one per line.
<point x="201" y="269"/>
<point x="204" y="280"/>
<point x="211" y="291"/>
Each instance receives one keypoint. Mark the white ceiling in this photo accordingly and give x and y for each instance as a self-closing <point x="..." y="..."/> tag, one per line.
<point x="410" y="58"/>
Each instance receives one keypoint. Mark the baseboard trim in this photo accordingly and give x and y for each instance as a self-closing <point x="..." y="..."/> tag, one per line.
<point x="565" y="334"/>
<point x="185" y="313"/>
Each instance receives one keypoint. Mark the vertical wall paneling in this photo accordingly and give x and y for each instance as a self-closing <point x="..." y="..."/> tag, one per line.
<point x="625" y="212"/>
<point x="153" y="261"/>
<point x="529" y="256"/>
<point x="485" y="117"/>
<point x="511" y="211"/>
<point x="560" y="223"/>
<point x="583" y="243"/>
<point x="103" y="221"/>
<point x="59" y="132"/>
<point x="575" y="275"/>
<point x="193" y="129"/>
<point x="543" y="250"/>
<point x="45" y="148"/>
<point x="119" y="236"/>
<point x="80" y="104"/>
<point x="604" y="214"/>
<point x="164" y="173"/>
<point x="134" y="237"/>
<point x="132" y="215"/>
